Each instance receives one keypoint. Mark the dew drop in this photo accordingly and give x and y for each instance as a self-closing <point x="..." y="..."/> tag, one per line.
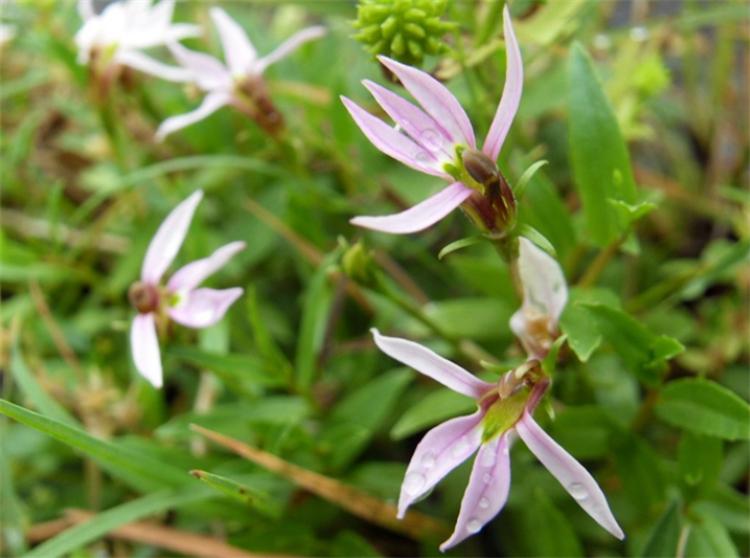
<point x="413" y="483"/>
<point x="488" y="459"/>
<point x="487" y="478"/>
<point x="460" y="447"/>
<point x="428" y="460"/>
<point x="578" y="491"/>
<point x="484" y="503"/>
<point x="474" y="525"/>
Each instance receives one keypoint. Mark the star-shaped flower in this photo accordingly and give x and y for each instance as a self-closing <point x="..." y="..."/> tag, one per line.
<point x="238" y="81"/>
<point x="438" y="139"/>
<point x="180" y="299"/>
<point x="123" y="29"/>
<point x="504" y="411"/>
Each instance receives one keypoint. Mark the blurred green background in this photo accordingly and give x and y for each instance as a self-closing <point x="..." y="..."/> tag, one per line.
<point x="292" y="369"/>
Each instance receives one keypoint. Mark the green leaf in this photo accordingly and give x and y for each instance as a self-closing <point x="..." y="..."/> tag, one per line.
<point x="133" y="467"/>
<point x="699" y="459"/>
<point x="704" y="407"/>
<point x="473" y="318"/>
<point x="643" y="352"/>
<point x="316" y="306"/>
<point x="241" y="372"/>
<point x="519" y="189"/>
<point x="358" y="417"/>
<point x="630" y="213"/>
<point x="579" y="325"/>
<point x="104" y="522"/>
<point x="599" y="156"/>
<point x="665" y="535"/>
<point x="34" y="392"/>
<point x="429" y="410"/>
<point x="708" y="537"/>
<point x="545" y="530"/>
<point x="261" y="500"/>
<point x="583" y="431"/>
<point x="458" y="245"/>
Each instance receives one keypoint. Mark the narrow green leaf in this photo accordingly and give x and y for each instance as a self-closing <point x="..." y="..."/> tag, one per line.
<point x="131" y="466"/>
<point x="458" y="245"/>
<point x="258" y="499"/>
<point x="579" y="325"/>
<point x="107" y="521"/>
<point x="704" y="407"/>
<point x="699" y="460"/>
<point x="34" y="392"/>
<point x="599" y="156"/>
<point x="664" y="536"/>
<point x="519" y="189"/>
<point x="709" y="537"/>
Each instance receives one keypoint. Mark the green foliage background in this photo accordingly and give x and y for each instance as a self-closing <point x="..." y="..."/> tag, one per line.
<point x="640" y="110"/>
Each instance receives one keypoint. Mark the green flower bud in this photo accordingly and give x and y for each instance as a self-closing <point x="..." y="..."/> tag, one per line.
<point x="357" y="263"/>
<point x="405" y="30"/>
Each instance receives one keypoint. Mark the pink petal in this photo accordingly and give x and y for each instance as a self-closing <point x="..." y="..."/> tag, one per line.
<point x="193" y="274"/>
<point x="392" y="142"/>
<point x="206" y="71"/>
<point x="168" y="239"/>
<point x="146" y="64"/>
<point x="203" y="307"/>
<point x="211" y="103"/>
<point x="571" y="474"/>
<point x="486" y="492"/>
<point x="414" y="121"/>
<point x="161" y="13"/>
<point x="544" y="287"/>
<point x="436" y="99"/>
<point x="432" y="365"/>
<point x="144" y="346"/>
<point x="506" y="110"/>
<point x="441" y="450"/>
<point x="420" y="216"/>
<point x="289" y="46"/>
<point x="239" y="52"/>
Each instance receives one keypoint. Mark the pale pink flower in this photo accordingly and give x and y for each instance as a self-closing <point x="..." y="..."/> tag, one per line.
<point x="123" y="29"/>
<point x="235" y="82"/>
<point x="545" y="294"/>
<point x="180" y="299"/>
<point x="427" y="138"/>
<point x="504" y="411"/>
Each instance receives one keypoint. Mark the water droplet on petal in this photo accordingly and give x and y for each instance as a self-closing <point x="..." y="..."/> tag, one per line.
<point x="578" y="491"/>
<point x="428" y="460"/>
<point x="487" y="478"/>
<point x="488" y="459"/>
<point x="413" y="483"/>
<point x="460" y="447"/>
<point x="474" y="525"/>
<point x="484" y="503"/>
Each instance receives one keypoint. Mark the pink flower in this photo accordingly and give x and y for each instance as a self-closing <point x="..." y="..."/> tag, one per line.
<point x="545" y="294"/>
<point x="236" y="82"/>
<point x="435" y="139"/>
<point x="123" y="29"/>
<point x="504" y="411"/>
<point x="180" y="299"/>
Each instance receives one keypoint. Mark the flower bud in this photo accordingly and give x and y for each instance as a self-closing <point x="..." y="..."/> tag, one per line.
<point x="495" y="207"/>
<point x="143" y="297"/>
<point x="405" y="30"/>
<point x="357" y="263"/>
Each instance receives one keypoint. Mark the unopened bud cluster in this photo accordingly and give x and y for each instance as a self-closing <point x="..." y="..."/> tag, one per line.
<point x="405" y="30"/>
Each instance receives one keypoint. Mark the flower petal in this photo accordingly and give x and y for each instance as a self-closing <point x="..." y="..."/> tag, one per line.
<point x="506" y="110"/>
<point x="544" y="287"/>
<point x="191" y="275"/>
<point x="151" y="66"/>
<point x="432" y="365"/>
<point x="204" y="307"/>
<point x="414" y="121"/>
<point x="441" y="450"/>
<point x="571" y="474"/>
<point x="86" y="9"/>
<point x="392" y="142"/>
<point x="420" y="216"/>
<point x="168" y="238"/>
<point x="436" y="100"/>
<point x="211" y="103"/>
<point x="207" y="72"/>
<point x="289" y="46"/>
<point x="486" y="492"/>
<point x="144" y="346"/>
<point x="239" y="52"/>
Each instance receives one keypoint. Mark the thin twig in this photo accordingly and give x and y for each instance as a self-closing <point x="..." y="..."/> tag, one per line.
<point x="352" y="499"/>
<point x="599" y="263"/>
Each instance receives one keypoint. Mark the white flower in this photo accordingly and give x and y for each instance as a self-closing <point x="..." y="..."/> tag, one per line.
<point x="125" y="28"/>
